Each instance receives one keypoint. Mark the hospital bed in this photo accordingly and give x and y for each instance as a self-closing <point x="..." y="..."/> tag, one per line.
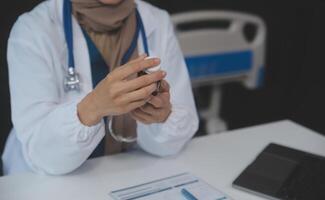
<point x="221" y="47"/>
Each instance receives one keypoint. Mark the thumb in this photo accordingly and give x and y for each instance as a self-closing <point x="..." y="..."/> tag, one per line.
<point x="164" y="87"/>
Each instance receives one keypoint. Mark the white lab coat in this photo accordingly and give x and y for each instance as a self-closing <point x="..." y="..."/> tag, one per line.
<point x="47" y="136"/>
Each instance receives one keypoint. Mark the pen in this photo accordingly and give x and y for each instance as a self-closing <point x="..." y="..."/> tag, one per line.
<point x="188" y="195"/>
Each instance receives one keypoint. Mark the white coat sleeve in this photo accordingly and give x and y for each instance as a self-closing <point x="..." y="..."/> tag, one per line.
<point x="168" y="138"/>
<point x="53" y="139"/>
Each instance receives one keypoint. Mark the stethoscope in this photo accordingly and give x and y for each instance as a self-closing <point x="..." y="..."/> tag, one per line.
<point x="72" y="80"/>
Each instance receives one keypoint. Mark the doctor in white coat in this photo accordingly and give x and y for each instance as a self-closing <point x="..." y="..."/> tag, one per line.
<point x="57" y="128"/>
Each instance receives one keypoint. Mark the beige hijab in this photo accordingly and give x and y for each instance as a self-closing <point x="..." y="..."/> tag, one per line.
<point x="111" y="28"/>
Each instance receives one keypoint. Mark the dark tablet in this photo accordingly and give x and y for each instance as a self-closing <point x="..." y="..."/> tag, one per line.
<point x="280" y="172"/>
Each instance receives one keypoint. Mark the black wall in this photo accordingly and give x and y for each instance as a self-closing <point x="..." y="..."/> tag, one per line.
<point x="294" y="83"/>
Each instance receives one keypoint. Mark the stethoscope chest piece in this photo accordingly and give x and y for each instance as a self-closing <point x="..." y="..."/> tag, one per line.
<point x="71" y="80"/>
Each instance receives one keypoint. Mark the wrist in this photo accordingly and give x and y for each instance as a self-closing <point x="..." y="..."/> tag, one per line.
<point x="87" y="112"/>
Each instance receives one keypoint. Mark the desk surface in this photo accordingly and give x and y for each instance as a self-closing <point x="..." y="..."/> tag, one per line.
<point x="218" y="159"/>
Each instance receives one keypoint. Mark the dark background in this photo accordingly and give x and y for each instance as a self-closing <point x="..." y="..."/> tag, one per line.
<point x="294" y="84"/>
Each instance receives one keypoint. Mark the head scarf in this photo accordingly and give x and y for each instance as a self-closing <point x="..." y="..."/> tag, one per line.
<point x="111" y="28"/>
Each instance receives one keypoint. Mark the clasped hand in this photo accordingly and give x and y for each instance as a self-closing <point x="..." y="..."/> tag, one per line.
<point x="118" y="94"/>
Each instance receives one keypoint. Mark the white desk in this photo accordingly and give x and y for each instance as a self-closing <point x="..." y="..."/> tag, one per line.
<point x="218" y="159"/>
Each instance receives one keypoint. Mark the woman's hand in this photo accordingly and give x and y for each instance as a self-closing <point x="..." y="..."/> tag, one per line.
<point x="117" y="94"/>
<point x="157" y="109"/>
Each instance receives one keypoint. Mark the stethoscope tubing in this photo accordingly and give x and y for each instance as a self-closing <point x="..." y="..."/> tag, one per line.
<point x="72" y="79"/>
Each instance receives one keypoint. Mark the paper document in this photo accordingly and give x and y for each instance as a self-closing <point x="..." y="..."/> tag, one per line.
<point x="179" y="187"/>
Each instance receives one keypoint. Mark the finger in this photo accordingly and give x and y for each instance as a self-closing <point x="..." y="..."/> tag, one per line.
<point x="160" y="100"/>
<point x="165" y="96"/>
<point x="139" y="118"/>
<point x="133" y="105"/>
<point x="156" y="101"/>
<point x="143" y="81"/>
<point x="143" y="115"/>
<point x="137" y="66"/>
<point x="140" y="94"/>
<point x="136" y="118"/>
<point x="164" y="87"/>
<point x="141" y="57"/>
<point x="149" y="109"/>
<point x="115" y="72"/>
